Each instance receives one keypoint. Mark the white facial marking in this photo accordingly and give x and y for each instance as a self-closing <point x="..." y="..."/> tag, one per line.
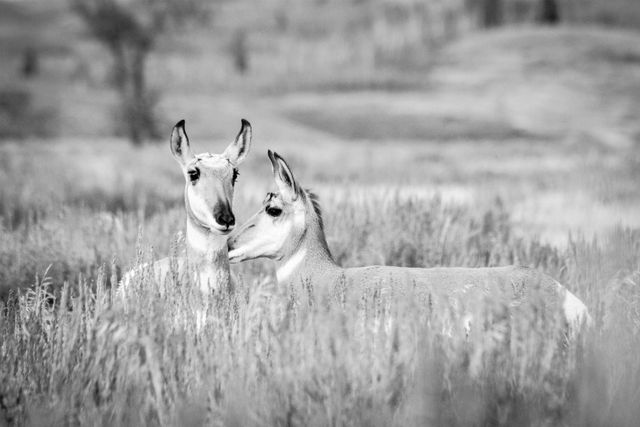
<point x="286" y="270"/>
<point x="201" y="209"/>
<point x="246" y="250"/>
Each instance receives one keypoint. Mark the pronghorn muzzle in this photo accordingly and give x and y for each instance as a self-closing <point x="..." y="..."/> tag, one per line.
<point x="224" y="217"/>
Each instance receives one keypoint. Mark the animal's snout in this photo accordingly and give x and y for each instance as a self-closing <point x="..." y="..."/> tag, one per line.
<point x="224" y="217"/>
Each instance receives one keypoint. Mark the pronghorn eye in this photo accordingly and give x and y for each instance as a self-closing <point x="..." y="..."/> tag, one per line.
<point x="273" y="211"/>
<point x="194" y="174"/>
<point x="235" y="176"/>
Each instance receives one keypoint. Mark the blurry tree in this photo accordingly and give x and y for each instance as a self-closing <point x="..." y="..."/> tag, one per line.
<point x="281" y="19"/>
<point x="239" y="50"/>
<point x="548" y="12"/>
<point x="492" y="13"/>
<point x="30" y="63"/>
<point x="130" y="29"/>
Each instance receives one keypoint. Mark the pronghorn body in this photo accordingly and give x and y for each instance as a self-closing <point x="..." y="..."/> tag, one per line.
<point x="209" y="271"/>
<point x="208" y="195"/>
<point x="289" y="229"/>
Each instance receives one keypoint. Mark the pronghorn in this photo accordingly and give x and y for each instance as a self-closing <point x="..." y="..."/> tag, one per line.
<point x="289" y="229"/>
<point x="208" y="195"/>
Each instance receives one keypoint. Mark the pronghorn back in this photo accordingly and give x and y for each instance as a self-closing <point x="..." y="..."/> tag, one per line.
<point x="510" y="287"/>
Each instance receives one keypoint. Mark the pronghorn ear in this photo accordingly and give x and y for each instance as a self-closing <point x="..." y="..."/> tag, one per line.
<point x="180" y="144"/>
<point x="237" y="151"/>
<point x="283" y="176"/>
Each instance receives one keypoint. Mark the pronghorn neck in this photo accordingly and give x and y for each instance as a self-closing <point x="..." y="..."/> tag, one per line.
<point x="289" y="267"/>
<point x="310" y="257"/>
<point x="207" y="252"/>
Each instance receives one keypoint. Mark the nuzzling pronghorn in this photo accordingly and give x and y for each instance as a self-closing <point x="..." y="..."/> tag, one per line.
<point x="289" y="229"/>
<point x="208" y="196"/>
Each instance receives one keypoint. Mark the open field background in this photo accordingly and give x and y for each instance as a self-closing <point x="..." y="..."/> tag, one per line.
<point x="516" y="145"/>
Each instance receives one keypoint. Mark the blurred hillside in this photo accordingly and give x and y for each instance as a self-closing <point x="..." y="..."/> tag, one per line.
<point x="375" y="93"/>
<point x="440" y="49"/>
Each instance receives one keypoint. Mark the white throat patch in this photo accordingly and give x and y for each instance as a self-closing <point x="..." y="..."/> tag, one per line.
<point x="203" y="242"/>
<point x="196" y="238"/>
<point x="286" y="270"/>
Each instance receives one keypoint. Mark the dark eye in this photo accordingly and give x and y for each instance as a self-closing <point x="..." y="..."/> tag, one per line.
<point x="235" y="176"/>
<point x="272" y="211"/>
<point x="194" y="174"/>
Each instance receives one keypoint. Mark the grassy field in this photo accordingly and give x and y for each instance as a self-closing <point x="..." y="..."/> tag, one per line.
<point x="73" y="353"/>
<point x="515" y="146"/>
<point x="80" y="212"/>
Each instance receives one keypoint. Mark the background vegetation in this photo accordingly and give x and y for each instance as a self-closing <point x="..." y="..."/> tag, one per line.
<point x="432" y="136"/>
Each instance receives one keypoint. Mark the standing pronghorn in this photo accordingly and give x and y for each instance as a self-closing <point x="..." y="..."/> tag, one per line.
<point x="208" y="195"/>
<point x="289" y="229"/>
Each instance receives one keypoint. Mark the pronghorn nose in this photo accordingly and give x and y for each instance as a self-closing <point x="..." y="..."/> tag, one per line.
<point x="225" y="217"/>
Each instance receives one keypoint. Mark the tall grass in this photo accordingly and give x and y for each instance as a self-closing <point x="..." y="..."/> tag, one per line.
<point x="72" y="352"/>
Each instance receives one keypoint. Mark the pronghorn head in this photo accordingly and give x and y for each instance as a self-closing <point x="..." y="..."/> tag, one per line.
<point x="278" y="228"/>
<point x="210" y="178"/>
